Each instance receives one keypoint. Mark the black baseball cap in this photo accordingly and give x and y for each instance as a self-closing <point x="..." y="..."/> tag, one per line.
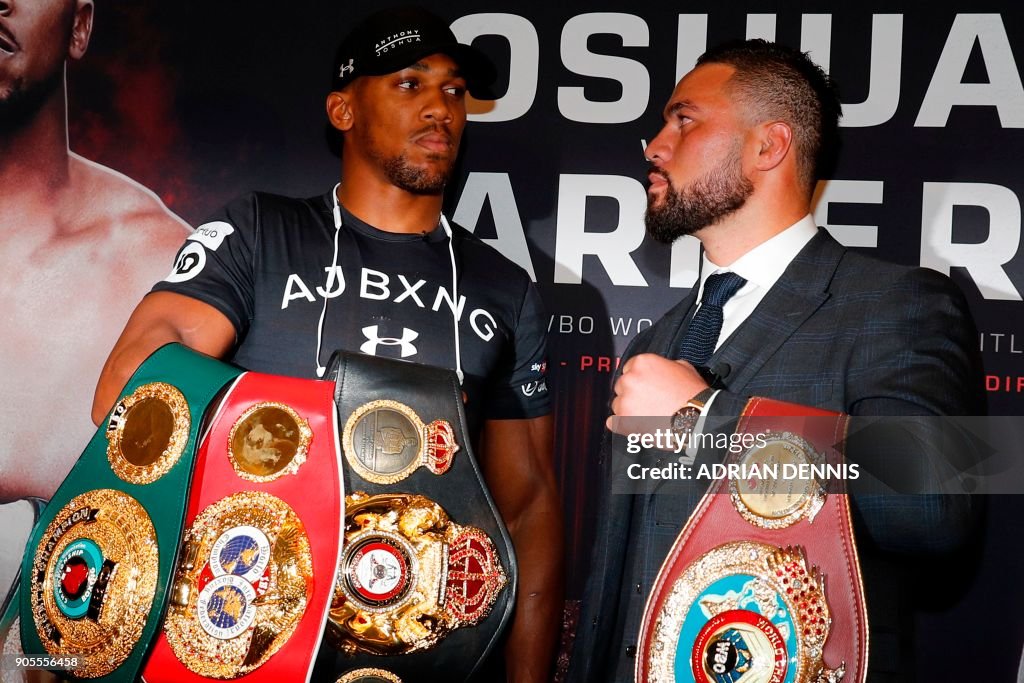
<point x="392" y="39"/>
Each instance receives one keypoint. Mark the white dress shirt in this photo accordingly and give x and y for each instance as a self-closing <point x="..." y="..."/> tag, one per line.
<point x="761" y="267"/>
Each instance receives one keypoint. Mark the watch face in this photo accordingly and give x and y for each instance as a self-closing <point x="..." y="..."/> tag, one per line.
<point x="685" y="420"/>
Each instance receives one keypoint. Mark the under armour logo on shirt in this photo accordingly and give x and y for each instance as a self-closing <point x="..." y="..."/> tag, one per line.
<point x="373" y="340"/>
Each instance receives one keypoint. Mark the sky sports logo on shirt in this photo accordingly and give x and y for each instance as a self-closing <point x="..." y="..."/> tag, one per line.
<point x="537" y="387"/>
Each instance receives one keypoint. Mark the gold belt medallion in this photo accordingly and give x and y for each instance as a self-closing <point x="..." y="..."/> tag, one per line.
<point x="268" y="441"/>
<point x="241" y="585"/>
<point x="147" y="432"/>
<point x="409" y="575"/>
<point x="778" y="500"/>
<point x="386" y="441"/>
<point x="94" y="577"/>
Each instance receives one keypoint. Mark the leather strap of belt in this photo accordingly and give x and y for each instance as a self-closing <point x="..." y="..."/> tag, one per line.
<point x="98" y="561"/>
<point x="256" y="574"/>
<point x="746" y="578"/>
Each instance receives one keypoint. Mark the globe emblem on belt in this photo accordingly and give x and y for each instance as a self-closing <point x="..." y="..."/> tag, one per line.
<point x="739" y="646"/>
<point x="728" y="657"/>
<point x="240" y="555"/>
<point x="242" y="551"/>
<point x="225" y="606"/>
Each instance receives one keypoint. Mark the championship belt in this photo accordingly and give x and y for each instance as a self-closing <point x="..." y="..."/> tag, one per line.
<point x="743" y="595"/>
<point x="254" y="581"/>
<point x="99" y="559"/>
<point x="427" y="576"/>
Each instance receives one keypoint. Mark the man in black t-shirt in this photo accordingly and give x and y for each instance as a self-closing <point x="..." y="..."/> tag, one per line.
<point x="267" y="264"/>
<point x="275" y="284"/>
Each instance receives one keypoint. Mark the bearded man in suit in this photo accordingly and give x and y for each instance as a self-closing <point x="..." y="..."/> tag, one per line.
<point x="780" y="310"/>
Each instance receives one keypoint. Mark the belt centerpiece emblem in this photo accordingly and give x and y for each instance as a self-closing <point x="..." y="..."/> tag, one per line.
<point x="409" y="575"/>
<point x="242" y="584"/>
<point x="93" y="579"/>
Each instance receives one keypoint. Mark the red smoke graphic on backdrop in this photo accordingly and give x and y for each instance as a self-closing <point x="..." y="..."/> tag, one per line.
<point x="135" y="128"/>
<point x="200" y="102"/>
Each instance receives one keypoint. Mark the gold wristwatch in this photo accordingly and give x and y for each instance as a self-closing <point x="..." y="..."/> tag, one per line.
<point x="684" y="421"/>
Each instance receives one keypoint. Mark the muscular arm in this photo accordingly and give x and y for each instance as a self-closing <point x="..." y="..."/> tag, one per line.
<point x="160" y="318"/>
<point x="517" y="464"/>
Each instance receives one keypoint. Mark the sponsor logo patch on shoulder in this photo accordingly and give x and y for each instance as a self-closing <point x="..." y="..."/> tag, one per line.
<point x="211" y="235"/>
<point x="190" y="262"/>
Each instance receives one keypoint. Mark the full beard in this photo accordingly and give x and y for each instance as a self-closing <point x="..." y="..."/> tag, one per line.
<point x="706" y="201"/>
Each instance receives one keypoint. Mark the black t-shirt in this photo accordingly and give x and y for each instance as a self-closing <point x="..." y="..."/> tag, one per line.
<point x="264" y="261"/>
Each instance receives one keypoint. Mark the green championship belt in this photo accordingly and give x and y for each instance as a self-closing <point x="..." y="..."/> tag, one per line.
<point x="97" y="565"/>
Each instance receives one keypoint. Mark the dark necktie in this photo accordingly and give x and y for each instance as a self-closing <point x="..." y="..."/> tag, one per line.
<point x="702" y="334"/>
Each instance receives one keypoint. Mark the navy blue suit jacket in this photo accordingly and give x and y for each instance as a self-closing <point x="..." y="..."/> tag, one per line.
<point x="839" y="331"/>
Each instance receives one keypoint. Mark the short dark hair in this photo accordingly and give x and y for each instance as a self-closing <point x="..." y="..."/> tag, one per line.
<point x="782" y="83"/>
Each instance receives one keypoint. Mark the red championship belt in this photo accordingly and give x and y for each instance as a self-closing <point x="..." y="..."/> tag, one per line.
<point x="763" y="583"/>
<point x="255" y="576"/>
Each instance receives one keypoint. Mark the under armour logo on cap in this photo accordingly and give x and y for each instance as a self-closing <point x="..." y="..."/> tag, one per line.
<point x="373" y="340"/>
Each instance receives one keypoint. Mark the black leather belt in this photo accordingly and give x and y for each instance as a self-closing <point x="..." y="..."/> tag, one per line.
<point x="427" y="578"/>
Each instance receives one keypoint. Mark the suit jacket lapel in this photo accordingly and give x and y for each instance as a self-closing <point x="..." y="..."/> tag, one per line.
<point x="801" y="290"/>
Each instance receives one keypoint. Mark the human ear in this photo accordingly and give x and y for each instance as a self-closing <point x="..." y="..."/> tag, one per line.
<point x="81" y="30"/>
<point x="339" y="110"/>
<point x="774" y="141"/>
